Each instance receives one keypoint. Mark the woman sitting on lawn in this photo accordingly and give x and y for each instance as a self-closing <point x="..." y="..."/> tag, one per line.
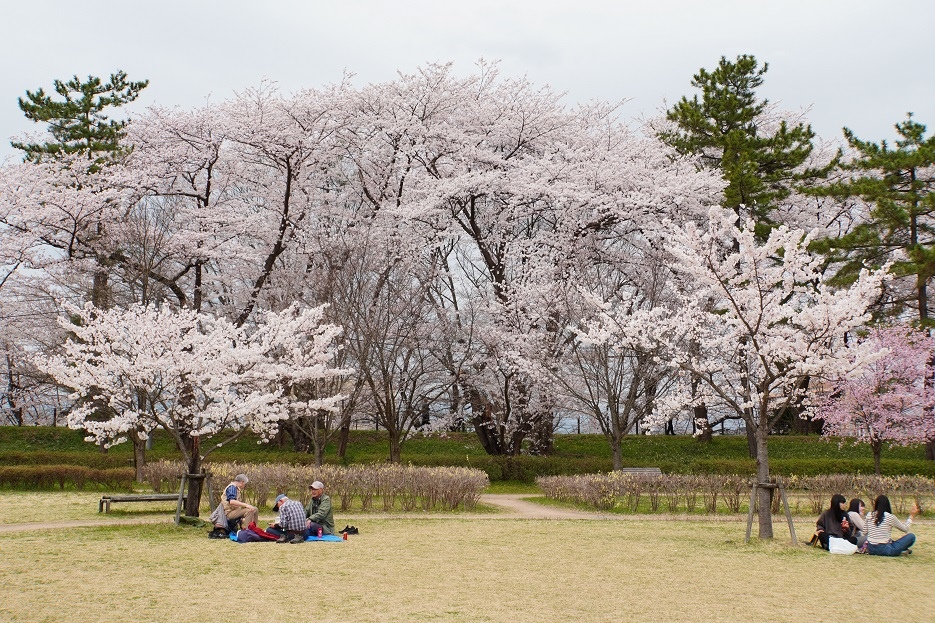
<point x="855" y="514"/>
<point x="834" y="523"/>
<point x="880" y="523"/>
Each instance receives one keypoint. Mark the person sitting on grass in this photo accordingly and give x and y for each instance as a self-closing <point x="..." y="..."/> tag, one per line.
<point x="318" y="512"/>
<point x="834" y="523"/>
<point x="880" y="523"/>
<point x="234" y="506"/>
<point x="855" y="514"/>
<point x="291" y="522"/>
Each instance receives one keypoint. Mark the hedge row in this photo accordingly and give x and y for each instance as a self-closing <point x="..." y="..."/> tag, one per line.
<point x="518" y="468"/>
<point x="678" y="492"/>
<point x="45" y="457"/>
<point x="44" y="477"/>
<point x="426" y="488"/>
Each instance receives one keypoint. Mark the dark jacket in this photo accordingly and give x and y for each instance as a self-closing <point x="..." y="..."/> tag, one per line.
<point x="828" y="526"/>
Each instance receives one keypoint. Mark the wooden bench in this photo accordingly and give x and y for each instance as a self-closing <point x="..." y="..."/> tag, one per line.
<point x="107" y="500"/>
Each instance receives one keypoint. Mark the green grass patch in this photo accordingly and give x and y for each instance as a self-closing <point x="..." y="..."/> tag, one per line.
<point x="487" y="570"/>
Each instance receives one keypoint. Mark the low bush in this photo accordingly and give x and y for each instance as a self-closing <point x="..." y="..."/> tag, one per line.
<point x="45" y="477"/>
<point x="428" y="488"/>
<point x="605" y="491"/>
<point x="47" y="457"/>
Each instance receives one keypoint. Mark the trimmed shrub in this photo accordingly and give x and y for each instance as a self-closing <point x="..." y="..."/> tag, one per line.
<point x="46" y="477"/>
<point x="604" y="491"/>
<point x="431" y="488"/>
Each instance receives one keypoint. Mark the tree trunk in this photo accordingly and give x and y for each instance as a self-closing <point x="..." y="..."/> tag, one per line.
<point x="485" y="428"/>
<point x="877" y="447"/>
<point x="930" y="451"/>
<point x="752" y="446"/>
<point x="196" y="480"/>
<point x="343" y="438"/>
<point x="764" y="496"/>
<point x="543" y="436"/>
<point x="395" y="449"/>
<point x="618" y="455"/>
<point x="139" y="452"/>
<point x="703" y="432"/>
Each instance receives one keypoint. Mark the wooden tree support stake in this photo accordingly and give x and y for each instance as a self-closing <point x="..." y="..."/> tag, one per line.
<point x="785" y="504"/>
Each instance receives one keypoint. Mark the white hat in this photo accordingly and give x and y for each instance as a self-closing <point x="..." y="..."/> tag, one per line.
<point x="317" y="485"/>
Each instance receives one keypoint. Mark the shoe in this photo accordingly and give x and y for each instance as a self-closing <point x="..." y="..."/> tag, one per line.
<point x="297" y="538"/>
<point x="283" y="539"/>
<point x="351" y="530"/>
<point x="346" y="528"/>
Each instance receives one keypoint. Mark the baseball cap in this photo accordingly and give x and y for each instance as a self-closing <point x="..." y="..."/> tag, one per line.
<point x="317" y="485"/>
<point x="279" y="498"/>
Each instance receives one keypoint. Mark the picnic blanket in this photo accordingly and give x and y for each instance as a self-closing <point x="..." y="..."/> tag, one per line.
<point x="247" y="537"/>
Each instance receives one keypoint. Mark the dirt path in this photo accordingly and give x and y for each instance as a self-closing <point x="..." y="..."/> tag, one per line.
<point x="516" y="505"/>
<point x="83" y="523"/>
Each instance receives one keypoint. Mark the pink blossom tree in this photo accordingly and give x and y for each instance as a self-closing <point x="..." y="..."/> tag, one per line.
<point x="199" y="377"/>
<point x="890" y="399"/>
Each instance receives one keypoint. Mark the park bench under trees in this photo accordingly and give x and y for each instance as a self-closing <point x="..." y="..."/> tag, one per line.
<point x="107" y="500"/>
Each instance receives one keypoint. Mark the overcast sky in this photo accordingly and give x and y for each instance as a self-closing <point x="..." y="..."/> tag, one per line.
<point x="855" y="63"/>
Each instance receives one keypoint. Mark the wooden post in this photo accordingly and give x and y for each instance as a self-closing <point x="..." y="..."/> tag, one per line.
<point x="782" y="495"/>
<point x="178" y="508"/>
<point x="785" y="504"/>
<point x="750" y="513"/>
<point x="211" y="502"/>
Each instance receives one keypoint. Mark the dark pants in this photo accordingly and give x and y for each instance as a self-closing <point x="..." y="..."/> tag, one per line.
<point x="314" y="528"/>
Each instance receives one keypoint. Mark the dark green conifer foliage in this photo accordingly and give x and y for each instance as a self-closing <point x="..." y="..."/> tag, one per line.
<point x="899" y="184"/>
<point x="77" y="121"/>
<point x="728" y="127"/>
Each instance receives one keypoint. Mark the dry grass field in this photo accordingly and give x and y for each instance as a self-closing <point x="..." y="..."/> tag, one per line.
<point x="486" y="568"/>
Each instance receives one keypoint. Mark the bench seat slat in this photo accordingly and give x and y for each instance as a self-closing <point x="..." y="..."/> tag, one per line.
<point x="107" y="500"/>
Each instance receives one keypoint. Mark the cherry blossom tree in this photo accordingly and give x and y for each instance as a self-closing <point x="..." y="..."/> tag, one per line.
<point x="482" y="194"/>
<point x="890" y="399"/>
<point x="521" y="185"/>
<point x="763" y="320"/>
<point x="199" y="377"/>
<point x="615" y="388"/>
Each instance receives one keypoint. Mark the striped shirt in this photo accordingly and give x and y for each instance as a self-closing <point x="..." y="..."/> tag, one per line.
<point x="879" y="534"/>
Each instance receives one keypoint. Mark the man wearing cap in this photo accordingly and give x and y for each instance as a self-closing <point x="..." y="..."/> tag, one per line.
<point x="318" y="511"/>
<point x="291" y="520"/>
<point x="234" y="506"/>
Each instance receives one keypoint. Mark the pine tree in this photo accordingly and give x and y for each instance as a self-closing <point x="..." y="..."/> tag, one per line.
<point x="733" y="131"/>
<point x="77" y="121"/>
<point x="899" y="184"/>
<point x="758" y="154"/>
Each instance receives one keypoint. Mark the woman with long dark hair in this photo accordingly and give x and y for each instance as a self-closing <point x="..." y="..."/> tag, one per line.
<point x="855" y="514"/>
<point x="834" y="523"/>
<point x="880" y="523"/>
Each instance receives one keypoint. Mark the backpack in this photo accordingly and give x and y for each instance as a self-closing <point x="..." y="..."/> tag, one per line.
<point x="248" y="536"/>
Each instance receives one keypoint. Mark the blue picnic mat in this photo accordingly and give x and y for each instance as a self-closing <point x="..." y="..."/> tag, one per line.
<point x="325" y="537"/>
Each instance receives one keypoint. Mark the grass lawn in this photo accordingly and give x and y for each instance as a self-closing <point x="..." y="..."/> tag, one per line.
<point x="495" y="569"/>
